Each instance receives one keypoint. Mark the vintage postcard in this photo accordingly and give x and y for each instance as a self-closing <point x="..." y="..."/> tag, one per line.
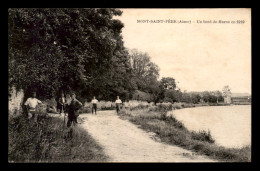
<point x="102" y="85"/>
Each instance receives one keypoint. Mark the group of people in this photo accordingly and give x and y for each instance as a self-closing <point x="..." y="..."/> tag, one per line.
<point x="95" y="101"/>
<point x="65" y="106"/>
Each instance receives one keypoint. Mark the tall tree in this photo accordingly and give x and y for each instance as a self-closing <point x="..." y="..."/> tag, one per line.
<point x="144" y="72"/>
<point x="226" y="91"/>
<point x="174" y="95"/>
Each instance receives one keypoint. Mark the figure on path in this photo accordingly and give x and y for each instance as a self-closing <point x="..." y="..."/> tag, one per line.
<point x="94" y="105"/>
<point x="31" y="104"/>
<point x="61" y="104"/>
<point x="118" y="102"/>
<point x="73" y="108"/>
<point x="67" y="103"/>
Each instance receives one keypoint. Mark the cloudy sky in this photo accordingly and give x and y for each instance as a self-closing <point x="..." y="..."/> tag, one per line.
<point x="200" y="56"/>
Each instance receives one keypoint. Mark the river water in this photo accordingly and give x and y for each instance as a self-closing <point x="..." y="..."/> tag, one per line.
<point x="230" y="126"/>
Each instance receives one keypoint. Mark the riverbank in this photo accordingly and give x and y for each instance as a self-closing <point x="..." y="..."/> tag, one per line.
<point x="123" y="141"/>
<point x="48" y="141"/>
<point x="171" y="131"/>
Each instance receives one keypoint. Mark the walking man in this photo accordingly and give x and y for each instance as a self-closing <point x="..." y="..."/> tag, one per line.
<point x="31" y="104"/>
<point x="73" y="108"/>
<point x="118" y="102"/>
<point x="94" y="105"/>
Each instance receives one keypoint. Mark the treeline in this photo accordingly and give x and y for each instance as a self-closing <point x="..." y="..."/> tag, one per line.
<point x="175" y="95"/>
<point x="194" y="97"/>
<point x="82" y="50"/>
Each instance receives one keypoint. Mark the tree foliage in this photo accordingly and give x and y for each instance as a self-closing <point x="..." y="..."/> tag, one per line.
<point x="168" y="83"/>
<point x="67" y="49"/>
<point x="226" y="91"/>
<point x="144" y="72"/>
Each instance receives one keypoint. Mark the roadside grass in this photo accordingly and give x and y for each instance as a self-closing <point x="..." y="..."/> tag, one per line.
<point x="172" y="131"/>
<point x="241" y="103"/>
<point x="49" y="140"/>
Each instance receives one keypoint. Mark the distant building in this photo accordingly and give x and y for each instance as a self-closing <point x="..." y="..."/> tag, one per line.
<point x="240" y="98"/>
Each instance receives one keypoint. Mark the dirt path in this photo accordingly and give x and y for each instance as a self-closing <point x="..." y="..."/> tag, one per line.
<point x="125" y="142"/>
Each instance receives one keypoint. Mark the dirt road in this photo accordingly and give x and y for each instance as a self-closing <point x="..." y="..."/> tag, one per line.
<point x="125" y="142"/>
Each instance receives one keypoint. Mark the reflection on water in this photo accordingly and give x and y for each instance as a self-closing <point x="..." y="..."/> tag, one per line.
<point x="230" y="126"/>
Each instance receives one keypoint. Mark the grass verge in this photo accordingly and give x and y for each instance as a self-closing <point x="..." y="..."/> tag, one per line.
<point x="171" y="131"/>
<point x="49" y="141"/>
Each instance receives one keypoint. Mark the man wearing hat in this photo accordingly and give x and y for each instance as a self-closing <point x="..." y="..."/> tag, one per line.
<point x="73" y="108"/>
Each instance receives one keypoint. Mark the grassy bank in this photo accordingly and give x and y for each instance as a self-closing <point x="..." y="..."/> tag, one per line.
<point x="171" y="131"/>
<point x="189" y="105"/>
<point x="241" y="103"/>
<point x="48" y="141"/>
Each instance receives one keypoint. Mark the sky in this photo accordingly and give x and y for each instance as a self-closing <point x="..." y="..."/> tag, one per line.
<point x="199" y="56"/>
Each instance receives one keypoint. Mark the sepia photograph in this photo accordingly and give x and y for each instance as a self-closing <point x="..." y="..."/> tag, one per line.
<point x="129" y="85"/>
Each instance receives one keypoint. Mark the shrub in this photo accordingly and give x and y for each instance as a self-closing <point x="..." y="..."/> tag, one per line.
<point x="198" y="147"/>
<point x="164" y="106"/>
<point x="188" y="105"/>
<point x="163" y="115"/>
<point x="167" y="100"/>
<point x="152" y="108"/>
<point x="84" y="110"/>
<point x="143" y="96"/>
<point x="177" y="106"/>
<point x="202" y="136"/>
<point x="134" y="104"/>
<point x="173" y="121"/>
<point x="201" y="104"/>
